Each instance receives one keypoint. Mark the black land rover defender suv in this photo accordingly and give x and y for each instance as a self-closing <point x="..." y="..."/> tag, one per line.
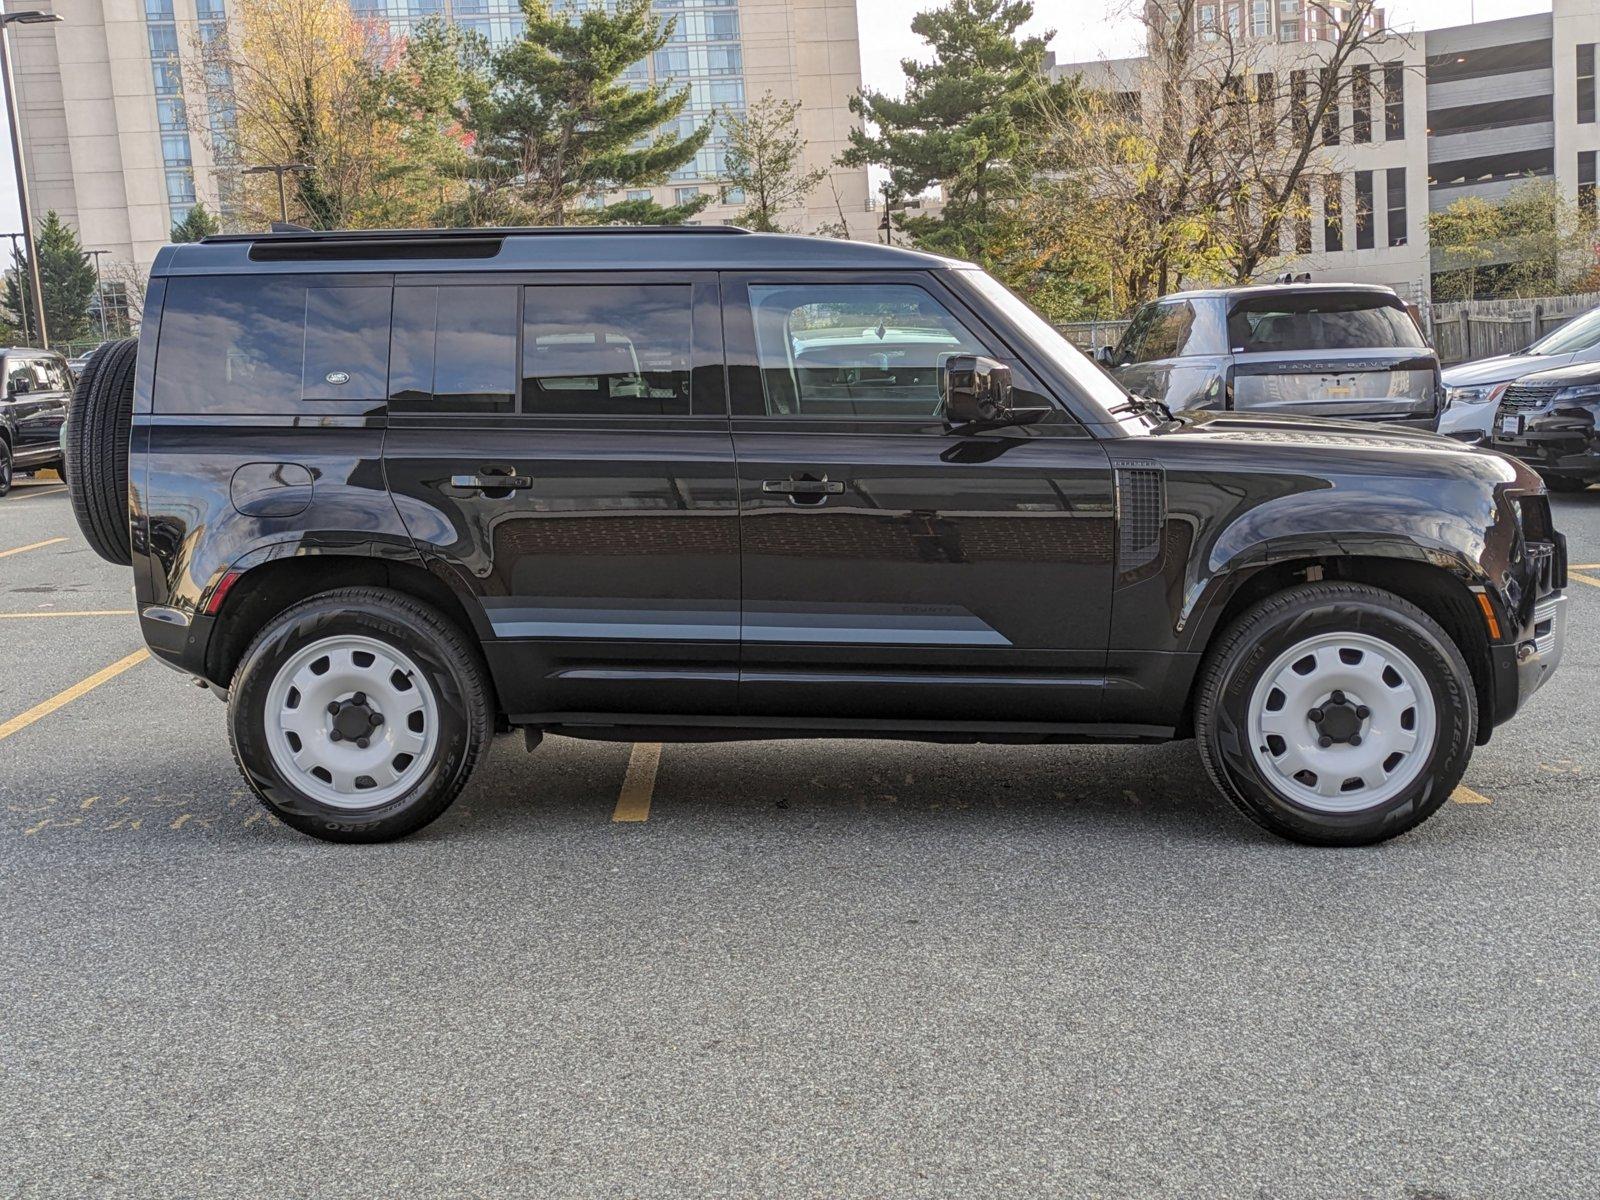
<point x="391" y="492"/>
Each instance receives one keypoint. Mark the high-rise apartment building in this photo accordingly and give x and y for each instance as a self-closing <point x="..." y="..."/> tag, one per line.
<point x="108" y="139"/>
<point x="1429" y="117"/>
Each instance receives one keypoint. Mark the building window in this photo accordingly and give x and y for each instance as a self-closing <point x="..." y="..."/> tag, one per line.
<point x="1586" y="83"/>
<point x="1302" y="217"/>
<point x="685" y="195"/>
<point x="1329" y="80"/>
<point x="1266" y="107"/>
<point x="1333" y="214"/>
<point x="641" y="194"/>
<point x="1394" y="102"/>
<point x="1289" y="20"/>
<point x="1586" y="186"/>
<point x="1298" y="111"/>
<point x="1260" y="18"/>
<point x="1361" y="104"/>
<point x="1395" y="185"/>
<point x="1364" y="232"/>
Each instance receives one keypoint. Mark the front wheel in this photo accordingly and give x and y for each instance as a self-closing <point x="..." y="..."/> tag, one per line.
<point x="1335" y="714"/>
<point x="5" y="467"/>
<point x="359" y="714"/>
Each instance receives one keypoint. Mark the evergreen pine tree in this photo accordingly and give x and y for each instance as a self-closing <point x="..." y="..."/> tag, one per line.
<point x="965" y="121"/>
<point x="562" y="123"/>
<point x="68" y="279"/>
<point x="766" y="161"/>
<point x="199" y="222"/>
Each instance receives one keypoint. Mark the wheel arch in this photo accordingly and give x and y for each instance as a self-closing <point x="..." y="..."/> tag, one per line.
<point x="266" y="582"/>
<point x="1439" y="584"/>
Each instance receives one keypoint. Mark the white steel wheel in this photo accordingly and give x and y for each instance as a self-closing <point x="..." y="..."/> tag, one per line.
<point x="1342" y="722"/>
<point x="351" y="721"/>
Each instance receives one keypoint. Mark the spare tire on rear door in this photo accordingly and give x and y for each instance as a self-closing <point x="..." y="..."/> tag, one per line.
<point x="98" y="427"/>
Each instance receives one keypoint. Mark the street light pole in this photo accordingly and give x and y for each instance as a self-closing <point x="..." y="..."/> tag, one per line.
<point x="280" y="170"/>
<point x="16" y="265"/>
<point x="99" y="291"/>
<point x="30" y="17"/>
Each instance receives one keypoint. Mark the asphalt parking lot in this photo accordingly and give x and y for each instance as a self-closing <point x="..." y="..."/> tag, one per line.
<point x="832" y="969"/>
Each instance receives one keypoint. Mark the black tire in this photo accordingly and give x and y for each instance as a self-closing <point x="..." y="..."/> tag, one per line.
<point x="1260" y="639"/>
<point x="1567" y="483"/>
<point x="452" y="666"/>
<point x="98" y="427"/>
<point x="6" y="472"/>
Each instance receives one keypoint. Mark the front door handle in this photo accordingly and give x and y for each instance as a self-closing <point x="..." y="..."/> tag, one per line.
<point x="490" y="483"/>
<point x="803" y="488"/>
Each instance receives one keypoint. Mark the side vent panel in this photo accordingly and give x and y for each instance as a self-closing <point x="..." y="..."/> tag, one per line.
<point x="1141" y="520"/>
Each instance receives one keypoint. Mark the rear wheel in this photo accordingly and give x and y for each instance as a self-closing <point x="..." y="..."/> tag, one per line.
<point x="1336" y="714"/>
<point x="358" y="715"/>
<point x="6" y="475"/>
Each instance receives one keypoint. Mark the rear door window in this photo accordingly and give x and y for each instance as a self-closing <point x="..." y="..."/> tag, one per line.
<point x="607" y="350"/>
<point x="1327" y="321"/>
<point x="454" y="349"/>
<point x="270" y="344"/>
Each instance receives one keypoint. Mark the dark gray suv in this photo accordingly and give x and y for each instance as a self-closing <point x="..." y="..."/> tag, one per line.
<point x="1327" y="350"/>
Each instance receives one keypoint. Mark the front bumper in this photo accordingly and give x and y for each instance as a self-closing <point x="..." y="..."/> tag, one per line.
<point x="1522" y="667"/>
<point x="1560" y="438"/>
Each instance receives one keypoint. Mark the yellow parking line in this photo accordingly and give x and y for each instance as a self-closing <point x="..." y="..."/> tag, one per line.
<point x="22" y="720"/>
<point x="15" y="497"/>
<point x="30" y="546"/>
<point x="1571" y="574"/>
<point x="1465" y="795"/>
<point x="88" y="612"/>
<point x="1584" y="566"/>
<point x="638" y="784"/>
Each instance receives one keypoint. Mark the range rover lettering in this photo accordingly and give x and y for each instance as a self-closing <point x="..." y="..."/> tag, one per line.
<point x="387" y="493"/>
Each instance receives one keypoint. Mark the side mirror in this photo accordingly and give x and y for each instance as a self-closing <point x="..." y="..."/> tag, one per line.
<point x="977" y="390"/>
<point x="1106" y="356"/>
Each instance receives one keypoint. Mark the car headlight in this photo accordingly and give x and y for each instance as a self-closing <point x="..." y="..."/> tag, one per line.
<point x="1478" y="393"/>
<point x="1581" y="391"/>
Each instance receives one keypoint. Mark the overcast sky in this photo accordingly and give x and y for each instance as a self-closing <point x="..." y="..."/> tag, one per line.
<point x="886" y="38"/>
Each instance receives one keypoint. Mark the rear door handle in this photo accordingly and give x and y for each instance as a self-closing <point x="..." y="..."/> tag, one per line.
<point x="802" y="487"/>
<point x="490" y="483"/>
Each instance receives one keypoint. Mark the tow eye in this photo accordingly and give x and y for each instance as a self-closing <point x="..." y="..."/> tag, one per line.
<point x="1338" y="721"/>
<point x="353" y="720"/>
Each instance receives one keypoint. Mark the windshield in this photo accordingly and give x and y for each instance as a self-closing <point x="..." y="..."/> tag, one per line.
<point x="1289" y="323"/>
<point x="1090" y="379"/>
<point x="1580" y="333"/>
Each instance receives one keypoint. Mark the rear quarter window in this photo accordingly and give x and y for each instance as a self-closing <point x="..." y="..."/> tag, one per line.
<point x="274" y="344"/>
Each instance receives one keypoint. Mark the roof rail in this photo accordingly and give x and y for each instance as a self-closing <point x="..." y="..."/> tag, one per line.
<point x="280" y="235"/>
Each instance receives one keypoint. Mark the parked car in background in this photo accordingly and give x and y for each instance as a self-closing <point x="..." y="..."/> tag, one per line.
<point x="35" y="393"/>
<point x="1326" y="350"/>
<point x="1548" y="419"/>
<point x="1472" y="390"/>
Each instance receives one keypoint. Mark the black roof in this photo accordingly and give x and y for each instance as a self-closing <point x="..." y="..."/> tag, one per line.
<point x="569" y="248"/>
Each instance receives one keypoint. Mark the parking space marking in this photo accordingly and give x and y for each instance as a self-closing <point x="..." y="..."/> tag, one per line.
<point x="87" y="612"/>
<point x="639" y="783"/>
<point x="1571" y="574"/>
<point x="1465" y="795"/>
<point x="16" y="497"/>
<point x="32" y="546"/>
<point x="22" y="720"/>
